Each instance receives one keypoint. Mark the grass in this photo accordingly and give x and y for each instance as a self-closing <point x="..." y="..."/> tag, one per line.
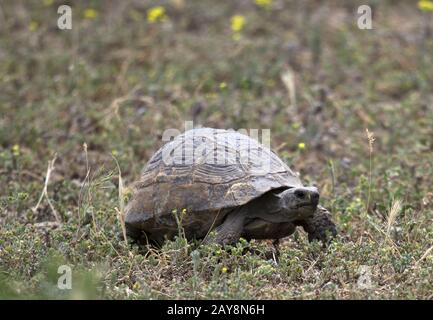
<point x="115" y="82"/>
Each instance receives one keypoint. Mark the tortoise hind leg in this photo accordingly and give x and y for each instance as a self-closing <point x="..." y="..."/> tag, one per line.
<point x="231" y="229"/>
<point x="319" y="226"/>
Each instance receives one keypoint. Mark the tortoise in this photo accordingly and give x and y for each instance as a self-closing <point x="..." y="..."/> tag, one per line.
<point x="224" y="181"/>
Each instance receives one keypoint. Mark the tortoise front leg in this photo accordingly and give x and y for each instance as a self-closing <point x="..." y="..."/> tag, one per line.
<point x="319" y="226"/>
<point x="231" y="229"/>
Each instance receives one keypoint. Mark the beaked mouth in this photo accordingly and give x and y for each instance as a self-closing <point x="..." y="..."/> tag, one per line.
<point x="306" y="205"/>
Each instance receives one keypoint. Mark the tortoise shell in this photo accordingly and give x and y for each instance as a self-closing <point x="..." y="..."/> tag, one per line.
<point x="198" y="177"/>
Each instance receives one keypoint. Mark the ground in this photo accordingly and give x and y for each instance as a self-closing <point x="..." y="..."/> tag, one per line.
<point x="107" y="89"/>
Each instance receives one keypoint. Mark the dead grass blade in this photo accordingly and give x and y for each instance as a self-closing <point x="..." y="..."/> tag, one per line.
<point x="84" y="184"/>
<point x="288" y="78"/>
<point x="423" y="256"/>
<point x="121" y="210"/>
<point x="393" y="212"/>
<point x="44" y="193"/>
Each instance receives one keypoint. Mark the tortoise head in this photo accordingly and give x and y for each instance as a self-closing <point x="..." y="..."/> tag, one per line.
<point x="300" y="202"/>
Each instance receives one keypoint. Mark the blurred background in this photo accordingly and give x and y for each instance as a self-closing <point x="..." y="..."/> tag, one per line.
<point x="128" y="70"/>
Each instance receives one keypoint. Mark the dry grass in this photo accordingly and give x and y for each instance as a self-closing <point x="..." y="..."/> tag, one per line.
<point x="44" y="193"/>
<point x="392" y="216"/>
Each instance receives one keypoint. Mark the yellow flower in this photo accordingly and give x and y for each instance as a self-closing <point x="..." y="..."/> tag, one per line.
<point x="184" y="211"/>
<point x="263" y="3"/>
<point x="211" y="95"/>
<point x="224" y="270"/>
<point x="33" y="26"/>
<point x="114" y="152"/>
<point x="136" y="286"/>
<point x="16" y="150"/>
<point x="90" y="13"/>
<point x="156" y="14"/>
<point x="223" y="85"/>
<point x="425" y="5"/>
<point x="301" y="146"/>
<point x="237" y="23"/>
<point x="48" y="3"/>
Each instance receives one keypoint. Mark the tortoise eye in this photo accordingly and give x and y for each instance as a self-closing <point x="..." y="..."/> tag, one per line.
<point x="300" y="194"/>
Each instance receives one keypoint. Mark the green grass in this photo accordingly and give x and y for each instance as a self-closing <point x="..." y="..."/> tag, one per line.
<point x="116" y="82"/>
